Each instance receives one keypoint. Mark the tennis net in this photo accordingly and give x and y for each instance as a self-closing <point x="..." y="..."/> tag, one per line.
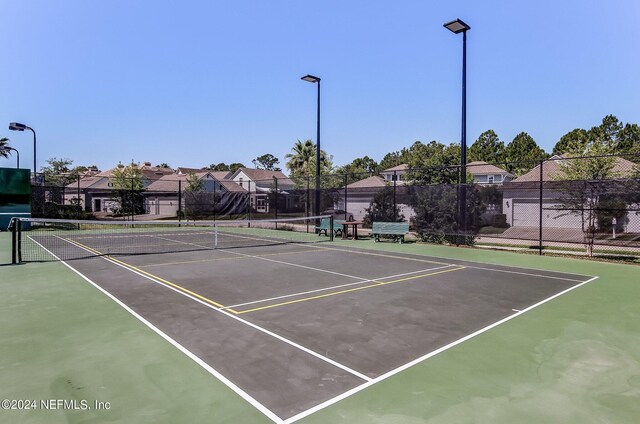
<point x="40" y="240"/>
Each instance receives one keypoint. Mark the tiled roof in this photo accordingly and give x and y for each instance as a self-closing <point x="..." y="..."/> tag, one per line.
<point x="552" y="169"/>
<point x="171" y="183"/>
<point x="148" y="172"/>
<point x="483" y="168"/>
<point x="186" y="171"/>
<point x="168" y="183"/>
<point x="232" y="186"/>
<point x="84" y="182"/>
<point x="221" y="175"/>
<point x="402" y="167"/>
<point x="371" y="182"/>
<point x="261" y="174"/>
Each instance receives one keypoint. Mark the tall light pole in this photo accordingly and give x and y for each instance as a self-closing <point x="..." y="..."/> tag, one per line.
<point x="8" y="149"/>
<point x="15" y="126"/>
<point x="458" y="27"/>
<point x="312" y="79"/>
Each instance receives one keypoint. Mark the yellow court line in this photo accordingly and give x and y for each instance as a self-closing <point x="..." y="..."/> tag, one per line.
<point x="230" y="257"/>
<point x="377" y="284"/>
<point x="179" y="287"/>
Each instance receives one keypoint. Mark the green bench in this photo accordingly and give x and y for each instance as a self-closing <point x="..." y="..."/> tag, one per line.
<point x="395" y="229"/>
<point x="325" y="225"/>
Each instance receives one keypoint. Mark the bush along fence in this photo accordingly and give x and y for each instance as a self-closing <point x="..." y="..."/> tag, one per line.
<point x="588" y="205"/>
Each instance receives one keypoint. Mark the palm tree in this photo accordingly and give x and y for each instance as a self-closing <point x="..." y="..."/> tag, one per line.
<point x="302" y="160"/>
<point x="4" y="141"/>
<point x="301" y="157"/>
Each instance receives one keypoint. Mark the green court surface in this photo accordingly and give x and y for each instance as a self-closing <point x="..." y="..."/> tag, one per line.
<point x="574" y="359"/>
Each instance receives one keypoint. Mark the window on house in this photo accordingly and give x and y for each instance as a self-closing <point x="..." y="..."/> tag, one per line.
<point x="240" y="182"/>
<point x="490" y="179"/>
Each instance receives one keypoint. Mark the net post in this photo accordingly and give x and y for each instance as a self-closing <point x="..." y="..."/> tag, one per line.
<point x="215" y="236"/>
<point x="331" y="228"/>
<point x="14" y="240"/>
<point x="19" y="239"/>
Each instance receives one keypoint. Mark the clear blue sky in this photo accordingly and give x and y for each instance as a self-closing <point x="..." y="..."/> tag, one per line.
<point x="197" y="82"/>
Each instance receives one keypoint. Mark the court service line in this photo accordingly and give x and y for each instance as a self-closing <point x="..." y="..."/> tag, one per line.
<point x="377" y="284"/>
<point x="244" y="395"/>
<point x="427" y="356"/>
<point x="335" y="287"/>
<point x="225" y="259"/>
<point x="463" y="260"/>
<point x="174" y="287"/>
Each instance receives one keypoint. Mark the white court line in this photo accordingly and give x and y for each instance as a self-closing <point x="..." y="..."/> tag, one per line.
<point x="369" y="382"/>
<point x="391" y="256"/>
<point x="395" y="257"/>
<point x="244" y="395"/>
<point x="362" y="279"/>
<point x="250" y="324"/>
<point x="425" y="357"/>
<point x="359" y="252"/>
<point x="336" y="287"/>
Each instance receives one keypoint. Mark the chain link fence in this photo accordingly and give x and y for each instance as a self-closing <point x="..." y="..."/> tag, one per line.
<point x="562" y="205"/>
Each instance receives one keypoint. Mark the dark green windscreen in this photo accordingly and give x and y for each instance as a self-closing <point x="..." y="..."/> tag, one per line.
<point x="15" y="195"/>
<point x="15" y="181"/>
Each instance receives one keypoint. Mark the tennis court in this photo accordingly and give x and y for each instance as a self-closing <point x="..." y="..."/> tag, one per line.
<point x="291" y="321"/>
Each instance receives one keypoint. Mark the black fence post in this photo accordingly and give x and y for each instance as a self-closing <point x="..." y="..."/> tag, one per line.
<point x="540" y="247"/>
<point x="80" y="202"/>
<point x="249" y="200"/>
<point x="346" y="198"/>
<point x="179" y="200"/>
<point x="275" y="199"/>
<point x="308" y="199"/>
<point x="395" y="178"/>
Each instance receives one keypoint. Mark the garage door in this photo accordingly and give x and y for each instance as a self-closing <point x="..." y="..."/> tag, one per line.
<point x="526" y="213"/>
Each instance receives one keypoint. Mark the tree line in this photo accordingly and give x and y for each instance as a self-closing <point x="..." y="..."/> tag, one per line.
<point x="518" y="156"/>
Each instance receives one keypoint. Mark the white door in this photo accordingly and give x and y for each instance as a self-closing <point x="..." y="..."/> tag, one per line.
<point x="526" y="213"/>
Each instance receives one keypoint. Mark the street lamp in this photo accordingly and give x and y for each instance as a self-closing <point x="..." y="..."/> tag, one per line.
<point x="458" y="27"/>
<point x="14" y="126"/>
<point x="312" y="79"/>
<point x="8" y="149"/>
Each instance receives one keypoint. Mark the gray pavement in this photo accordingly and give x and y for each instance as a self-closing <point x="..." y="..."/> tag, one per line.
<point x="300" y="340"/>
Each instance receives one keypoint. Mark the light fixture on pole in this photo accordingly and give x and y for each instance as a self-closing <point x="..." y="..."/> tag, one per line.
<point x="313" y="79"/>
<point x="15" y="126"/>
<point x="9" y="149"/>
<point x="458" y="26"/>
